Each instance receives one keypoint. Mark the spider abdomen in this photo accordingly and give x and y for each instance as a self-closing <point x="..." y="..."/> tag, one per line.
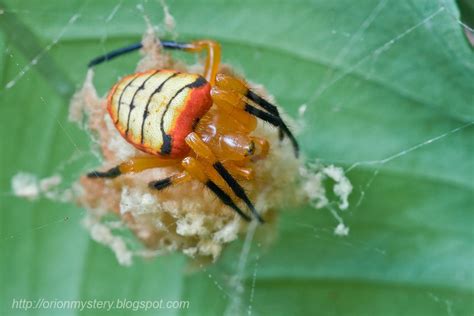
<point x="157" y="109"/>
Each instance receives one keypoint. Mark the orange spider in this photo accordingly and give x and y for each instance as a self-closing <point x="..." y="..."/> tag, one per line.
<point x="201" y="124"/>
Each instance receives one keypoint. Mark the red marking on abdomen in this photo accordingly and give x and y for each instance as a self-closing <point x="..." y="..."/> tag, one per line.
<point x="198" y="103"/>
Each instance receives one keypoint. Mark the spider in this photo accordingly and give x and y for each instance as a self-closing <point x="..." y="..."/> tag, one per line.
<point x="200" y="124"/>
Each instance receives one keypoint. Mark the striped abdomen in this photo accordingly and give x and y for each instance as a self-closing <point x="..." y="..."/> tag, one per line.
<point x="156" y="110"/>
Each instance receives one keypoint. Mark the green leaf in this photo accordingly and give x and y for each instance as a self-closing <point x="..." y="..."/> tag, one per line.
<point x="389" y="92"/>
<point x="467" y="12"/>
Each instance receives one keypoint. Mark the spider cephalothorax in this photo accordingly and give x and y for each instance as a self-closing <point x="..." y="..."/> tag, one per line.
<point x="202" y="124"/>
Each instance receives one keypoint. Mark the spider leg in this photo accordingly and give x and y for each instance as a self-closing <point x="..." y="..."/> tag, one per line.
<point x="231" y="98"/>
<point x="213" y="57"/>
<point x="133" y="47"/>
<point x="192" y="168"/>
<point x="275" y="121"/>
<point x="176" y="178"/>
<point x="236" y="188"/>
<point x="211" y="48"/>
<point x="199" y="172"/>
<point x="225" y="198"/>
<point x="113" y="54"/>
<point x="270" y="108"/>
<point x="232" y="83"/>
<point x="136" y="164"/>
<point x="239" y="172"/>
<point x="204" y="152"/>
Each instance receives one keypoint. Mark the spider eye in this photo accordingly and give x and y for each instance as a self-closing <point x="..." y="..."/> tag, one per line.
<point x="251" y="148"/>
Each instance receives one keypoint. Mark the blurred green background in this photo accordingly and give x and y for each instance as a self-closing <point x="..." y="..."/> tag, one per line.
<point x="389" y="90"/>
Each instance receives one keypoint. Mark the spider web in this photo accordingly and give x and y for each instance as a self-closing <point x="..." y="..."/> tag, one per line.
<point x="232" y="285"/>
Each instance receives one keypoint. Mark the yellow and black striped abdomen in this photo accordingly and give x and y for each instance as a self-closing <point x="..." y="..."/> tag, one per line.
<point x="156" y="110"/>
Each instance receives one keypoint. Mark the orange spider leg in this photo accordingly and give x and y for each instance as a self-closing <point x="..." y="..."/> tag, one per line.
<point x="231" y="91"/>
<point x="136" y="164"/>
<point x="228" y="100"/>
<point x="228" y="119"/>
<point x="239" y="172"/>
<point x="204" y="174"/>
<point x="177" y="178"/>
<point x="212" y="49"/>
<point x="198" y="171"/>
<point x="232" y="83"/>
<point x="213" y="58"/>
<point x="205" y="153"/>
<point x="237" y="156"/>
